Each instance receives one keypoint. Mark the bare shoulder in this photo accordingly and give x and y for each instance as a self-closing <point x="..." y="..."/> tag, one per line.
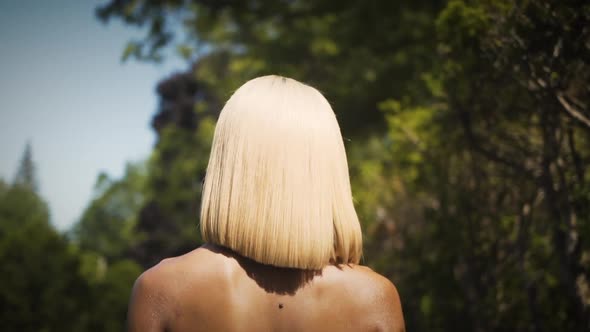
<point x="173" y="273"/>
<point x="378" y="296"/>
<point x="160" y="290"/>
<point x="193" y="267"/>
<point x="149" y="306"/>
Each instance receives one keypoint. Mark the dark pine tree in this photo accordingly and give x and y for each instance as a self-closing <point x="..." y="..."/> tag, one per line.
<point x="25" y="175"/>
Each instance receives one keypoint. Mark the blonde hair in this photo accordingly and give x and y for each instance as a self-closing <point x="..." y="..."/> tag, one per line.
<point x="277" y="188"/>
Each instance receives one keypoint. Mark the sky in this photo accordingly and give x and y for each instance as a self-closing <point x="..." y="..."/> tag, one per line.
<point x="64" y="89"/>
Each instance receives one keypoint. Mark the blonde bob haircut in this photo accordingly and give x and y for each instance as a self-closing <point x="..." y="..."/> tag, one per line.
<point x="277" y="188"/>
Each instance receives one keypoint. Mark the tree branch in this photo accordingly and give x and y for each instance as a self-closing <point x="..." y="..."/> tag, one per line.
<point x="572" y="111"/>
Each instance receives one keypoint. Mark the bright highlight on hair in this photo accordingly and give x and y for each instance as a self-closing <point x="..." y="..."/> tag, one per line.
<point x="277" y="188"/>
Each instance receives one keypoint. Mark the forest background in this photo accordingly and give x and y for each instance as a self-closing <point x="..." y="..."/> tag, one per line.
<point x="467" y="126"/>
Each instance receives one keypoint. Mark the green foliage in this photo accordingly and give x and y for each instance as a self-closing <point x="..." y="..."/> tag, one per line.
<point x="37" y="267"/>
<point x="345" y="48"/>
<point x="20" y="206"/>
<point x="110" y="294"/>
<point x="168" y="220"/>
<point x="106" y="227"/>
<point x="48" y="284"/>
<point x="37" y="270"/>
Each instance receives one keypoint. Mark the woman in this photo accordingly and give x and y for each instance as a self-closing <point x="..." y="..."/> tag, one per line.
<point x="283" y="238"/>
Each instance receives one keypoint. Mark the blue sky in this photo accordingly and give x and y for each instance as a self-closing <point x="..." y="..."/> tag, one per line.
<point x="64" y="88"/>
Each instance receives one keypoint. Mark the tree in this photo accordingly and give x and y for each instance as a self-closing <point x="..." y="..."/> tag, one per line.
<point x="518" y="70"/>
<point x="48" y="283"/>
<point x="107" y="224"/>
<point x="19" y="206"/>
<point x="25" y="176"/>
<point x="308" y="40"/>
<point x="496" y="159"/>
<point x="37" y="267"/>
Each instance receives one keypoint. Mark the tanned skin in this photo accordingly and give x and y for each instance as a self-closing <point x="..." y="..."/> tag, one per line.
<point x="214" y="289"/>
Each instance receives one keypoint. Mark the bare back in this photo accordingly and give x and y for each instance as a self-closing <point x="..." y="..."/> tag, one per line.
<point x="213" y="289"/>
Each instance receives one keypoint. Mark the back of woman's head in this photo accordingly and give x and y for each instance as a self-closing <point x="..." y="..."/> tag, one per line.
<point x="277" y="188"/>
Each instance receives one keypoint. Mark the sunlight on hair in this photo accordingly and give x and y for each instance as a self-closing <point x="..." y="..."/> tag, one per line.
<point x="277" y="188"/>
